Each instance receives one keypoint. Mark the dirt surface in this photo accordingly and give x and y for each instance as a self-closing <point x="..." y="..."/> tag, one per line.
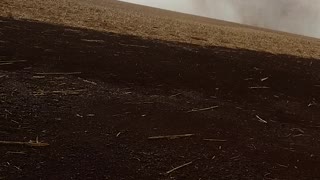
<point x="251" y="115"/>
<point x="151" y="23"/>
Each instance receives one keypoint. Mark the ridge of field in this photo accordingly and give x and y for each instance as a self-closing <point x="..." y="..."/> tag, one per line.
<point x="152" y="23"/>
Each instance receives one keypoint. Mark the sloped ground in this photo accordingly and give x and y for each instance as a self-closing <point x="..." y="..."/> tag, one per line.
<point x="150" y="23"/>
<point x="123" y="90"/>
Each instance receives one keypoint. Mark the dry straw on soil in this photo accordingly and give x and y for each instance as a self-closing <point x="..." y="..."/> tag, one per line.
<point x="114" y="16"/>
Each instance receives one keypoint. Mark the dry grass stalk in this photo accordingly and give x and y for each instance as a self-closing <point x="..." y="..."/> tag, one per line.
<point x="297" y="130"/>
<point x="30" y="143"/>
<point x="171" y="136"/>
<point x="3" y="64"/>
<point x="13" y="61"/>
<point x="176" y="95"/>
<point x="11" y="152"/>
<point x="59" y="73"/>
<point x="259" y="87"/>
<point x="281" y="165"/>
<point x="264" y="79"/>
<point x="261" y="120"/>
<point x="203" y="109"/>
<point x="179" y="167"/>
<point x="93" y="40"/>
<point x="215" y="140"/>
<point x="87" y="81"/>
<point x="118" y="134"/>
<point x="63" y="92"/>
<point x="133" y="45"/>
<point x="38" y="77"/>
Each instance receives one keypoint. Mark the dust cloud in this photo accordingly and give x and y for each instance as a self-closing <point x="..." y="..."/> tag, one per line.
<point x="294" y="16"/>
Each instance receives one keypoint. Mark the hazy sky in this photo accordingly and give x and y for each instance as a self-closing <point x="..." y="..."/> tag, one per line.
<point x="295" y="16"/>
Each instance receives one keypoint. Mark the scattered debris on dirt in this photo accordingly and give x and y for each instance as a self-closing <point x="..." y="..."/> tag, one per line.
<point x="98" y="111"/>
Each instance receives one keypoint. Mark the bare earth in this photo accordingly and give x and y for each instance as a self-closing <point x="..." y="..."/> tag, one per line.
<point x="116" y="91"/>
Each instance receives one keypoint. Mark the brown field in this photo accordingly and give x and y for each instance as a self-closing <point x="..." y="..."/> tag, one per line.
<point x="108" y="90"/>
<point x="119" y="17"/>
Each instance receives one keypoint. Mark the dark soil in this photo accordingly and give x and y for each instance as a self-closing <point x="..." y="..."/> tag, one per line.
<point x="98" y="122"/>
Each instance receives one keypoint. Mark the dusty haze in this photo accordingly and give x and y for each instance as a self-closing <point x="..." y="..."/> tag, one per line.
<point x="295" y="16"/>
